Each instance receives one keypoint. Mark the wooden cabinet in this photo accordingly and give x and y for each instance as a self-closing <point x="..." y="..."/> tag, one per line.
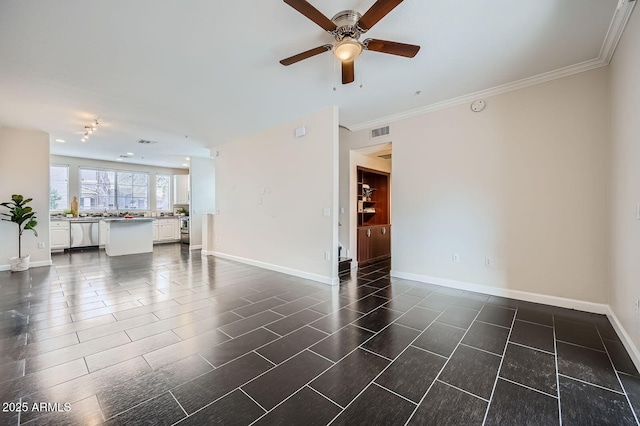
<point x="59" y="236"/>
<point x="180" y="189"/>
<point x="374" y="229"/>
<point x="374" y="243"/>
<point x="373" y="197"/>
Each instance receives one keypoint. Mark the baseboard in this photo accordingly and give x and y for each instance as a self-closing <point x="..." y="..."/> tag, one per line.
<point x="31" y="265"/>
<point x="277" y="268"/>
<point x="624" y="337"/>
<point x="195" y="247"/>
<point x="582" y="305"/>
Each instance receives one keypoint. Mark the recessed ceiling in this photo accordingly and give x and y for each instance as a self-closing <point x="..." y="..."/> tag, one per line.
<point x="191" y="75"/>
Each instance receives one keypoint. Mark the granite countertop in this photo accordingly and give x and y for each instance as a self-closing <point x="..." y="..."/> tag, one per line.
<point x="132" y="219"/>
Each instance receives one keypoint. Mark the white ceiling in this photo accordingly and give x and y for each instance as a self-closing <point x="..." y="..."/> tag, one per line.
<point x="194" y="74"/>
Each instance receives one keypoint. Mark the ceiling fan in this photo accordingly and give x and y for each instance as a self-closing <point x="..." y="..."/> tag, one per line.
<point x="347" y="27"/>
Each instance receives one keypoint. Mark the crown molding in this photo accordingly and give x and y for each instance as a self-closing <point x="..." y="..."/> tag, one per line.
<point x="614" y="33"/>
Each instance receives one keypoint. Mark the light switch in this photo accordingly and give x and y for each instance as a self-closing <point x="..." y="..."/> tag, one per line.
<point x="326" y="211"/>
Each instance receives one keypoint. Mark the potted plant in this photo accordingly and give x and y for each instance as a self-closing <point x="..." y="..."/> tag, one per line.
<point x="23" y="216"/>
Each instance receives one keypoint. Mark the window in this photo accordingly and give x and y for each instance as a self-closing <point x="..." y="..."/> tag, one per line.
<point x="97" y="190"/>
<point x="113" y="190"/>
<point x="132" y="191"/>
<point x="58" y="188"/>
<point x="163" y="192"/>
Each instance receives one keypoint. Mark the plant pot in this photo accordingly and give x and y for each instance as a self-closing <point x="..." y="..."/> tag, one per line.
<point x="19" y="263"/>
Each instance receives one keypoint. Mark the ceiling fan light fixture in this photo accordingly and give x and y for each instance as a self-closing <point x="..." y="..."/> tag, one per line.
<point x="347" y="49"/>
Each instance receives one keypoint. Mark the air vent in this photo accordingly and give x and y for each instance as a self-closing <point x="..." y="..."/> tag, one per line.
<point x="124" y="156"/>
<point x="146" y="142"/>
<point x="382" y="131"/>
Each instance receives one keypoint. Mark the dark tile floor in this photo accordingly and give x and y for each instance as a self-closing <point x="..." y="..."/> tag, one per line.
<point x="173" y="338"/>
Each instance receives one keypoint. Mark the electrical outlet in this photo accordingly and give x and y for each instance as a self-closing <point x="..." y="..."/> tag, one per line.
<point x="217" y="239"/>
<point x="455" y="257"/>
<point x="327" y="255"/>
<point x="637" y="305"/>
<point x="40" y="245"/>
<point x="487" y="261"/>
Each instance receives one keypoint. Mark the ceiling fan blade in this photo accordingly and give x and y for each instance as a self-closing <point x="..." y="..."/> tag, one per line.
<point x="391" y="47"/>
<point x="376" y="12"/>
<point x="304" y="55"/>
<point x="348" y="72"/>
<point x="312" y="13"/>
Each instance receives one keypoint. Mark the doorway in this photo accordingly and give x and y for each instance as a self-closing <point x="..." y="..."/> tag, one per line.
<point x="371" y="193"/>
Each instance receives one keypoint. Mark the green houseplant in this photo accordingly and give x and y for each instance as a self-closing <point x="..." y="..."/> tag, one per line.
<point x="23" y="216"/>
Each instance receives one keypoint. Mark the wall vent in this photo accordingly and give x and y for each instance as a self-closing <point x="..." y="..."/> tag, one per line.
<point x="382" y="131"/>
<point x="146" y="142"/>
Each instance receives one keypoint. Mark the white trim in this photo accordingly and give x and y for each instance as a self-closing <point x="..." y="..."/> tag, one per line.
<point x="520" y="84"/>
<point x="616" y="28"/>
<point x="277" y="268"/>
<point x="597" y="308"/>
<point x="195" y="247"/>
<point x="614" y="33"/>
<point x="632" y="350"/>
<point x="31" y="265"/>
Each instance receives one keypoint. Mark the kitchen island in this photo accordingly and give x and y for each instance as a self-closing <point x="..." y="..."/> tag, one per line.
<point x="128" y="236"/>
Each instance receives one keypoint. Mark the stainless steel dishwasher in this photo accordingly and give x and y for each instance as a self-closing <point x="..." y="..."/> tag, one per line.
<point x="84" y="233"/>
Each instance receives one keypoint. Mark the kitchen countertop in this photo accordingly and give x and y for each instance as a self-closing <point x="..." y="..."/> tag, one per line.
<point x="131" y="219"/>
<point x="91" y="219"/>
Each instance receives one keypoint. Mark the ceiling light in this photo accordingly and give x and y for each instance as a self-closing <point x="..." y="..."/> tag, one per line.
<point x="88" y="129"/>
<point x="185" y="165"/>
<point x="83" y="139"/>
<point x="118" y="159"/>
<point x="129" y="153"/>
<point x="60" y="140"/>
<point x="187" y="158"/>
<point x="347" y="49"/>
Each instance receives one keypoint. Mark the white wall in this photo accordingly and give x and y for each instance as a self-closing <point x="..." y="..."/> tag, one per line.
<point x="523" y="183"/>
<point x="625" y="181"/>
<point x="272" y="189"/>
<point x="24" y="169"/>
<point x="202" y="181"/>
<point x="75" y="163"/>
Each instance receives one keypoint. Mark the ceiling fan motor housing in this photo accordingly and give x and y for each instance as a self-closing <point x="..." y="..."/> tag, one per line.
<point x="347" y="23"/>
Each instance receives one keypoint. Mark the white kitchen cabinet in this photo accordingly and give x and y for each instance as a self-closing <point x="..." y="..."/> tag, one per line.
<point x="103" y="232"/>
<point x="176" y="230"/>
<point x="59" y="235"/>
<point x="154" y="230"/>
<point x="180" y="189"/>
<point x="166" y="228"/>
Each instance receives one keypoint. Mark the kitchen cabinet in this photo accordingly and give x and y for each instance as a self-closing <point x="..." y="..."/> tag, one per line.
<point x="181" y="189"/>
<point x="59" y="235"/>
<point x="154" y="231"/>
<point x="374" y="243"/>
<point x="102" y="233"/>
<point x="165" y="230"/>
